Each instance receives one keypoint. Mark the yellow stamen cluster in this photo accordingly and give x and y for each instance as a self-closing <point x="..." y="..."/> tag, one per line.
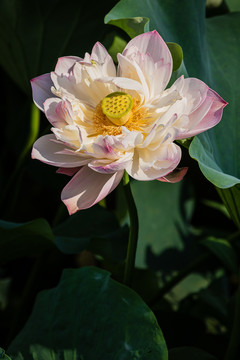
<point x="101" y="125"/>
<point x="117" y="107"/>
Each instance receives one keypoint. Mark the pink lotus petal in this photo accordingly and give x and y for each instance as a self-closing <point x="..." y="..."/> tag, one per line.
<point x="175" y="176"/>
<point x="41" y="88"/>
<point x="153" y="44"/>
<point x="101" y="56"/>
<point x="87" y="188"/>
<point x="99" y="53"/>
<point x="65" y="64"/>
<point x="68" y="171"/>
<point x="49" y="151"/>
<point x="203" y="119"/>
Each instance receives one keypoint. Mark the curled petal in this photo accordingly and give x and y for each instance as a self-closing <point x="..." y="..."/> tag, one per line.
<point x="51" y="152"/>
<point x="87" y="188"/>
<point x="175" y="176"/>
<point x="41" y="88"/>
<point x="58" y="112"/>
<point x="193" y="90"/>
<point x="207" y="115"/>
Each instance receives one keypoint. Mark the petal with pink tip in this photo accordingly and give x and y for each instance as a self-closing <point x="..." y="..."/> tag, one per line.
<point x="49" y="151"/>
<point x="205" y="116"/>
<point x="87" y="188"/>
<point x="100" y="54"/>
<point x="41" y="88"/>
<point x="65" y="64"/>
<point x="175" y="176"/>
<point x="151" y="43"/>
<point x="152" y="55"/>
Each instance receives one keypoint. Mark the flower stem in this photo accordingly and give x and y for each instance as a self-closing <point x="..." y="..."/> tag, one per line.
<point x="133" y="234"/>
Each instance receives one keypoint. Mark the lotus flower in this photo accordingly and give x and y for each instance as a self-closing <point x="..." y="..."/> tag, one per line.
<point x="106" y="121"/>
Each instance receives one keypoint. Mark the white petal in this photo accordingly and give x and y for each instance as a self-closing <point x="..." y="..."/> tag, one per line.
<point x="65" y="64"/>
<point x="149" y="165"/>
<point x="125" y="84"/>
<point x="110" y="167"/>
<point x="58" y="112"/>
<point x="100" y="54"/>
<point x="131" y="70"/>
<point x="48" y="151"/>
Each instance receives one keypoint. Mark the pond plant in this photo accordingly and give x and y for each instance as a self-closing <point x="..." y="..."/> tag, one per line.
<point x="128" y="245"/>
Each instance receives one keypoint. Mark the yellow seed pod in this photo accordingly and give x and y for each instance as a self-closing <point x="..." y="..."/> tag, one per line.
<point x="117" y="107"/>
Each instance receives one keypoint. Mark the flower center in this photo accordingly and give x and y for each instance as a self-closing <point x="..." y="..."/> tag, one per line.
<point x="117" y="107"/>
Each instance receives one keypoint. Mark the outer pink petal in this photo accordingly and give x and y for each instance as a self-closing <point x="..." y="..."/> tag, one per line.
<point x="153" y="57"/>
<point x="151" y="43"/>
<point x="41" y="88"/>
<point x="47" y="150"/>
<point x="65" y="64"/>
<point x="174" y="176"/>
<point x="100" y="54"/>
<point x="210" y="119"/>
<point x="87" y="188"/>
<point x="68" y="171"/>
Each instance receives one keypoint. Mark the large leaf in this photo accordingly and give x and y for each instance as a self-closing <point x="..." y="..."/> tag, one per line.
<point x="24" y="240"/>
<point x="217" y="151"/>
<point x="89" y="316"/>
<point x="164" y="212"/>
